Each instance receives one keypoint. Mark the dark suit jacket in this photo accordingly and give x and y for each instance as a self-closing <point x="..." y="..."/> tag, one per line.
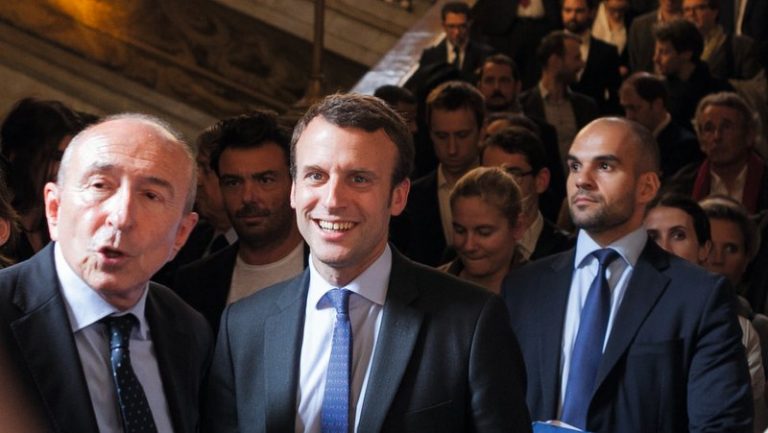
<point x="584" y="108"/>
<point x="35" y="328"/>
<point x="755" y="19"/>
<point x="445" y="360"/>
<point x="193" y="249"/>
<point x="205" y="283"/>
<point x="641" y="43"/>
<point x="419" y="231"/>
<point x="474" y="55"/>
<point x="678" y="147"/>
<point x="551" y="241"/>
<point x="673" y="362"/>
<point x="735" y="58"/>
<point x="497" y="17"/>
<point x="600" y="79"/>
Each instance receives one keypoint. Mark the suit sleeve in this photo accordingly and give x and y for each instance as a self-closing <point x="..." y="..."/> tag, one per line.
<point x="220" y="405"/>
<point x="719" y="392"/>
<point x="497" y="374"/>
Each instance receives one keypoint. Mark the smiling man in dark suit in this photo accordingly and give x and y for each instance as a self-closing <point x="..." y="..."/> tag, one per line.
<point x="120" y="208"/>
<point x="364" y="340"/>
<point x="619" y="335"/>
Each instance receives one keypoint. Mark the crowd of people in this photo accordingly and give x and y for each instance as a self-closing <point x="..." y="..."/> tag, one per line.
<point x="559" y="219"/>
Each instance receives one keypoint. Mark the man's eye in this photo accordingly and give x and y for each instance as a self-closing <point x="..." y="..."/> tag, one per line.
<point x="679" y="235"/>
<point x="574" y="167"/>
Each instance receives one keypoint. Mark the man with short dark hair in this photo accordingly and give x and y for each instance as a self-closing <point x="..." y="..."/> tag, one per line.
<point x="644" y="97"/>
<point x="500" y="84"/>
<point x="640" y="41"/>
<point x="455" y="114"/>
<point x="98" y="346"/>
<point x="678" y="58"/>
<point x="457" y="49"/>
<point x="251" y="163"/>
<point x="602" y="324"/>
<point x="600" y="79"/>
<point x="522" y="155"/>
<point x="559" y="55"/>
<point x="364" y="340"/>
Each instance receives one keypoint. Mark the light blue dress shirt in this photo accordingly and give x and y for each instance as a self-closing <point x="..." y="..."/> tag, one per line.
<point x="618" y="274"/>
<point x="85" y="308"/>
<point x="369" y="292"/>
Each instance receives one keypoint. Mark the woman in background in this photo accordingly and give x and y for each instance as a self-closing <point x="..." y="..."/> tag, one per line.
<point x="486" y="205"/>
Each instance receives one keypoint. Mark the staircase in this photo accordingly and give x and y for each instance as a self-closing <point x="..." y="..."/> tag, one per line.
<point x="360" y="30"/>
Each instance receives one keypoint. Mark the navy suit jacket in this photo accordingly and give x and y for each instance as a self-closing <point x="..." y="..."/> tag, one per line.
<point x="445" y="360"/>
<point x="673" y="362"/>
<point x="35" y="328"/>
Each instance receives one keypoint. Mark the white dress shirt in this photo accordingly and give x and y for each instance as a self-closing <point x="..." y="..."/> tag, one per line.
<point x="85" y="309"/>
<point x="369" y="292"/>
<point x="618" y="275"/>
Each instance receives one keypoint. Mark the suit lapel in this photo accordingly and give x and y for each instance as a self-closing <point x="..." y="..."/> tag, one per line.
<point x="397" y="336"/>
<point x="46" y="343"/>
<point x="282" y="351"/>
<point x="555" y="288"/>
<point x="170" y="340"/>
<point x="644" y="289"/>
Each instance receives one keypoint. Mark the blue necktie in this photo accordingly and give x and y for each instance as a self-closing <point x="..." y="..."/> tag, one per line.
<point x="134" y="408"/>
<point x="334" y="417"/>
<point x="588" y="348"/>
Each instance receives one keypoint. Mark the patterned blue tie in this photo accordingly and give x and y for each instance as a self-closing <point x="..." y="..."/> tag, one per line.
<point x="588" y="347"/>
<point x="134" y="408"/>
<point x="334" y="417"/>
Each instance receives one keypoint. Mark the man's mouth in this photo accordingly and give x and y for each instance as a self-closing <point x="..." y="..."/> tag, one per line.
<point x="335" y="226"/>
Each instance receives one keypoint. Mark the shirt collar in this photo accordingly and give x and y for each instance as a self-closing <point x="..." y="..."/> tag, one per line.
<point x="629" y="247"/>
<point x="372" y="284"/>
<point x="531" y="236"/>
<point x="84" y="306"/>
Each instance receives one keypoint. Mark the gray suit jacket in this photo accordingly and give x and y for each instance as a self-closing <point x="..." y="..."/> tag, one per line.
<point x="35" y="329"/>
<point x="446" y="360"/>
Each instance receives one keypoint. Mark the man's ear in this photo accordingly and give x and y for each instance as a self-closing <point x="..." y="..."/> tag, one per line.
<point x="399" y="197"/>
<point x="5" y="231"/>
<point x="542" y="179"/>
<point x="52" y="196"/>
<point x="647" y="187"/>
<point x="187" y="224"/>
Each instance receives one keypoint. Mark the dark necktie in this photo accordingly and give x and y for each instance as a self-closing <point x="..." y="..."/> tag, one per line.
<point x="334" y="417"/>
<point x="456" y="59"/>
<point x="134" y="408"/>
<point x="588" y="347"/>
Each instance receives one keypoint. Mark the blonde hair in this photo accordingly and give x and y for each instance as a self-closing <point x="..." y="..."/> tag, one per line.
<point x="494" y="186"/>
